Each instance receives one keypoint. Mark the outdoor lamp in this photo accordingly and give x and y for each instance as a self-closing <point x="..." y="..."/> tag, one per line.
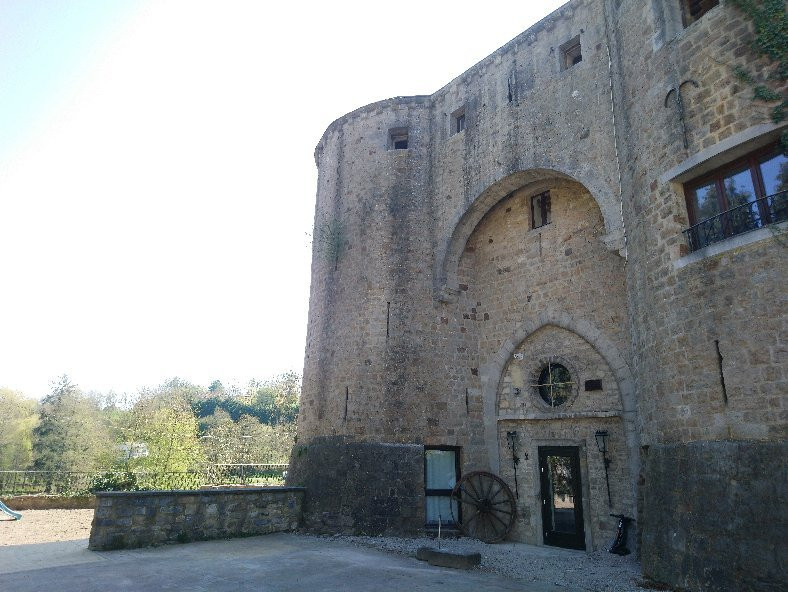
<point x="601" y="443"/>
<point x="511" y="440"/>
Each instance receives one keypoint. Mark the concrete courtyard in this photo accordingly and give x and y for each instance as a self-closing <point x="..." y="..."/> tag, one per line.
<point x="272" y="562"/>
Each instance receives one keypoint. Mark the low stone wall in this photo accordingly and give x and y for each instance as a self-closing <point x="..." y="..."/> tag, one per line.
<point x="126" y="520"/>
<point x="714" y="515"/>
<point x="49" y="502"/>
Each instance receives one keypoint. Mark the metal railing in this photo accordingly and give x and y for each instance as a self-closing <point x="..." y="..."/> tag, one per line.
<point x="70" y="483"/>
<point x="743" y="218"/>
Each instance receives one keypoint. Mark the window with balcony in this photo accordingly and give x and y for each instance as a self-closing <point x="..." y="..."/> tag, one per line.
<point x="742" y="196"/>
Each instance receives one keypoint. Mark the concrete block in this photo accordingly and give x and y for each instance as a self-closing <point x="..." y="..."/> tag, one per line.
<point x="448" y="559"/>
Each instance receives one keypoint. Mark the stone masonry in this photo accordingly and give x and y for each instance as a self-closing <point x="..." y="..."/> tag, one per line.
<point x="125" y="520"/>
<point x="439" y="297"/>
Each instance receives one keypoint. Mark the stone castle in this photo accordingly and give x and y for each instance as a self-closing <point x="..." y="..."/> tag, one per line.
<point x="569" y="256"/>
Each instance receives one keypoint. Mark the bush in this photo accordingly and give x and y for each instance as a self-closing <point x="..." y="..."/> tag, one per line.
<point x="114" y="482"/>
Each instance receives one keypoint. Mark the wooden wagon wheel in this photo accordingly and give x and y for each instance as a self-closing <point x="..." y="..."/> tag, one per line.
<point x="486" y="506"/>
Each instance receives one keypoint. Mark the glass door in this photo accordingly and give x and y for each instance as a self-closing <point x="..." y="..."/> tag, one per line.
<point x="561" y="496"/>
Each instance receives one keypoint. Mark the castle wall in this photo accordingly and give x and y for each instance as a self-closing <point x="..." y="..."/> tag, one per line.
<point x="432" y="277"/>
<point x="681" y="309"/>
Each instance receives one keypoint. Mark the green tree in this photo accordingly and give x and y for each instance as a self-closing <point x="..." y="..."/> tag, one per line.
<point x="18" y="418"/>
<point x="72" y="434"/>
<point x="163" y="425"/>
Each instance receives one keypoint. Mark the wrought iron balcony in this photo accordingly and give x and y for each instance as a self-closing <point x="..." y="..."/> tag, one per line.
<point x="744" y="218"/>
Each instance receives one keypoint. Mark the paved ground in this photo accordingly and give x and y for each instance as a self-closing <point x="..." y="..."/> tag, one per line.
<point x="277" y="562"/>
<point x="47" y="550"/>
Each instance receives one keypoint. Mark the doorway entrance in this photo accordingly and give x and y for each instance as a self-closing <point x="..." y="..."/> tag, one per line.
<point x="561" y="497"/>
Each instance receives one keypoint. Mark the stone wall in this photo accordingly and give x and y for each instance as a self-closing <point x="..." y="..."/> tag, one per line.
<point x="716" y="515"/>
<point x="50" y="502"/>
<point x="360" y="487"/>
<point x="125" y="520"/>
<point x="441" y="276"/>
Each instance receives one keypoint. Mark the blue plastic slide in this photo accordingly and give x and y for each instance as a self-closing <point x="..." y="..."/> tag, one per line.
<point x="10" y="512"/>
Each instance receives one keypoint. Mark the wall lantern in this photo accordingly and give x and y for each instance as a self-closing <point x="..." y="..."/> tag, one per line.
<point x="511" y="444"/>
<point x="601" y="437"/>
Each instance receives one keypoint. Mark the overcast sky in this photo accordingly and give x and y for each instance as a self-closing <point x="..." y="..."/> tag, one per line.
<point x="157" y="181"/>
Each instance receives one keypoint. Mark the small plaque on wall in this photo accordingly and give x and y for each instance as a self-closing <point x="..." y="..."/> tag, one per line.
<point x="518" y="356"/>
<point x="594" y="385"/>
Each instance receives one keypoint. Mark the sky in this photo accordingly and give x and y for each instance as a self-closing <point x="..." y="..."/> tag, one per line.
<point x="157" y="180"/>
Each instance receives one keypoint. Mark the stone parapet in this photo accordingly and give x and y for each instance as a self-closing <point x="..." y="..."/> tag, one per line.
<point x="125" y="520"/>
<point x="50" y="502"/>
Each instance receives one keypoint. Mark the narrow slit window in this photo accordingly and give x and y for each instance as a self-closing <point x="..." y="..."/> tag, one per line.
<point x="540" y="209"/>
<point x="458" y="121"/>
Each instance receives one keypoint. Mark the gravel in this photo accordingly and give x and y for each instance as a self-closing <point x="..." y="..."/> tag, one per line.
<point x="598" y="571"/>
<point x="45" y="526"/>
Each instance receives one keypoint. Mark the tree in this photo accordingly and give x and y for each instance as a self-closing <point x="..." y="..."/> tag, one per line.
<point x="163" y="422"/>
<point x="18" y="418"/>
<point x="278" y="398"/>
<point x="71" y="434"/>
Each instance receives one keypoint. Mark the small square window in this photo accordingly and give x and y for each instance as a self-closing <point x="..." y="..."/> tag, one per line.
<point x="692" y="10"/>
<point x="458" y="121"/>
<point x="571" y="53"/>
<point x="594" y="385"/>
<point x="398" y="138"/>
<point x="540" y="209"/>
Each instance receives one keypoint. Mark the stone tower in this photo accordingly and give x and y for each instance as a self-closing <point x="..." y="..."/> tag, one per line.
<point x="504" y="267"/>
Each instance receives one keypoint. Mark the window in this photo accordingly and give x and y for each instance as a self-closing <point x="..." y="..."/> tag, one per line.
<point x="570" y="53"/>
<point x="441" y="471"/>
<point x="554" y="384"/>
<point x="540" y="209"/>
<point x="744" y="195"/>
<point x="692" y="10"/>
<point x="398" y="138"/>
<point x="458" y="121"/>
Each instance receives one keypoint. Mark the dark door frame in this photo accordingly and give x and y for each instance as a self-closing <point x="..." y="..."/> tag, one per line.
<point x="574" y="540"/>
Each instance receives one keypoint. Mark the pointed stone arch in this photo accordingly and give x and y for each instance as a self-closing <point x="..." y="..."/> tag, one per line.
<point x="537" y="180"/>
<point x="491" y="374"/>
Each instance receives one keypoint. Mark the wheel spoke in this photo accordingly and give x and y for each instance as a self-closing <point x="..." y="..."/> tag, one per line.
<point x="489" y="489"/>
<point x="473" y="501"/>
<point x="504" y="512"/>
<point x="470" y="484"/>
<point x="498" y="519"/>
<point x="494" y="495"/>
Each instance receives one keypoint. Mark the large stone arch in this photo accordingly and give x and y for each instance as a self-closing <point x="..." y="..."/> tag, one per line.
<point x="491" y="373"/>
<point x="537" y="179"/>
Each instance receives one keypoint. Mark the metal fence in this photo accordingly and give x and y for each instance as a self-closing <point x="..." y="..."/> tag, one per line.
<point x="755" y="214"/>
<point x="70" y="483"/>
